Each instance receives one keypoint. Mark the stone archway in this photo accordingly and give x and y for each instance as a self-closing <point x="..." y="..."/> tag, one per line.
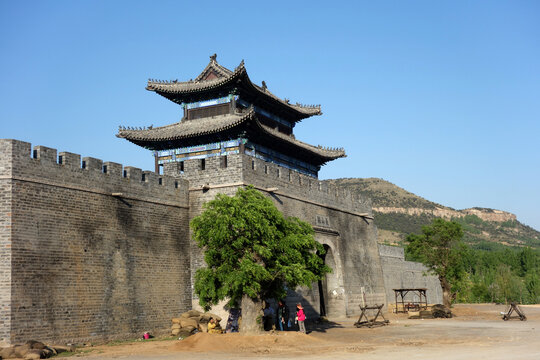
<point x="331" y="290"/>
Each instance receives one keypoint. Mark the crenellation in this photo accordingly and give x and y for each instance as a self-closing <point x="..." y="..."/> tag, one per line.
<point x="170" y="181"/>
<point x="69" y="160"/>
<point x="352" y="240"/>
<point x="69" y="171"/>
<point x="92" y="164"/>
<point x="149" y="177"/>
<point x="133" y="173"/>
<point x="7" y="151"/>
<point x="100" y="243"/>
<point x="45" y="154"/>
<point x="299" y="185"/>
<point x="20" y="149"/>
<point x="112" y="169"/>
<point x="111" y="246"/>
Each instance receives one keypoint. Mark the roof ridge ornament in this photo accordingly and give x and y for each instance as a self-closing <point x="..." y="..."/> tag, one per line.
<point x="264" y="85"/>
<point x="241" y="65"/>
<point x="213" y="58"/>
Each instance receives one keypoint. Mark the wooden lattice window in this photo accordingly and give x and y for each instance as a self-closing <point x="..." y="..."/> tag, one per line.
<point x="208" y="111"/>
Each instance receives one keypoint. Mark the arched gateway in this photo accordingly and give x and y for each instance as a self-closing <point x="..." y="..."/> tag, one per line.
<point x="331" y="289"/>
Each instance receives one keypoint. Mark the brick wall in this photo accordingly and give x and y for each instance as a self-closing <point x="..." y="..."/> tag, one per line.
<point x="98" y="252"/>
<point x="340" y="221"/>
<point x="94" y="250"/>
<point x="5" y="241"/>
<point x="401" y="274"/>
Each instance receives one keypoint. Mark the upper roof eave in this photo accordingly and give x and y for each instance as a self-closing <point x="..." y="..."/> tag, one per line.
<point x="228" y="77"/>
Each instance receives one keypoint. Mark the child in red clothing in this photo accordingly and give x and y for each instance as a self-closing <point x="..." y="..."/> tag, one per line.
<point x="300" y="317"/>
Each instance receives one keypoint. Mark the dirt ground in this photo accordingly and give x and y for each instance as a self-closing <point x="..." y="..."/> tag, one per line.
<point x="477" y="332"/>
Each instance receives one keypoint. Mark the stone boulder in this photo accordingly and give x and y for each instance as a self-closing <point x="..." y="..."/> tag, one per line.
<point x="440" y="311"/>
<point x="30" y="350"/>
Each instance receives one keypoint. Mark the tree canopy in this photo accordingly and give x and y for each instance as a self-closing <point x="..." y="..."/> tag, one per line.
<point x="440" y="248"/>
<point x="252" y="250"/>
<point x="491" y="272"/>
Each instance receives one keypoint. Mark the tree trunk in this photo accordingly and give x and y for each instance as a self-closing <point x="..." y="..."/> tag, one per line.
<point x="446" y="292"/>
<point x="251" y="315"/>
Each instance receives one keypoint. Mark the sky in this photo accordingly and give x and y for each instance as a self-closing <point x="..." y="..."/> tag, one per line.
<point x="441" y="98"/>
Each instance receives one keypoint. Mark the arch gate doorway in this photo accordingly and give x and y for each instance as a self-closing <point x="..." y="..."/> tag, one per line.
<point x="331" y="290"/>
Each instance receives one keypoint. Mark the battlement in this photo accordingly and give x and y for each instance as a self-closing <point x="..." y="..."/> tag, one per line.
<point x="291" y="182"/>
<point x="236" y="169"/>
<point x="391" y="251"/>
<point x="89" y="230"/>
<point x="41" y="164"/>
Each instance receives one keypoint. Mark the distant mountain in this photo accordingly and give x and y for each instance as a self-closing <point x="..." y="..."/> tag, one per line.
<point x="398" y="213"/>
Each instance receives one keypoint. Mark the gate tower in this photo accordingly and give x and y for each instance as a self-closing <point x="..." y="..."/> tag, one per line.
<point x="235" y="133"/>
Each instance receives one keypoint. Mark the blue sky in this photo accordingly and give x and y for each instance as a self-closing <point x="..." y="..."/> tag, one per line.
<point x="440" y="98"/>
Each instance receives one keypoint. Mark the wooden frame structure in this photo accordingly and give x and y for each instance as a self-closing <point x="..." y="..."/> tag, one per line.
<point x="514" y="307"/>
<point x="411" y="305"/>
<point x="364" y="321"/>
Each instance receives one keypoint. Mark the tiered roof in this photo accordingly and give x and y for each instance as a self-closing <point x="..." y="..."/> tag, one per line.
<point x="218" y="81"/>
<point x="193" y="132"/>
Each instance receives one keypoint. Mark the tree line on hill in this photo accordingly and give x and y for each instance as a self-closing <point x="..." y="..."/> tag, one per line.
<point x="400" y="223"/>
<point x="487" y="273"/>
<point x="500" y="276"/>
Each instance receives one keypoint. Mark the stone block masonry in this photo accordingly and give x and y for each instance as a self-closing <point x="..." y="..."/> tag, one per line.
<point x="92" y="250"/>
<point x="343" y="223"/>
<point x="5" y="241"/>
<point x="89" y="250"/>
<point x="401" y="274"/>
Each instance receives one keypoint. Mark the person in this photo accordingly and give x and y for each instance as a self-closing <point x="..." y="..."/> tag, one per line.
<point x="283" y="316"/>
<point x="233" y="320"/>
<point x="213" y="327"/>
<point x="300" y="317"/>
<point x="268" y="317"/>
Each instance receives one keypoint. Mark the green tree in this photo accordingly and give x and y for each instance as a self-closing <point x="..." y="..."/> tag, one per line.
<point x="509" y="285"/>
<point x="440" y="248"/>
<point x="528" y="260"/>
<point x="532" y="284"/>
<point x="252" y="251"/>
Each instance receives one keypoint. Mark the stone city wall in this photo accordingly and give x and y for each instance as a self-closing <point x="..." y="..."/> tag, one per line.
<point x="342" y="222"/>
<point x="401" y="274"/>
<point x="90" y="250"/>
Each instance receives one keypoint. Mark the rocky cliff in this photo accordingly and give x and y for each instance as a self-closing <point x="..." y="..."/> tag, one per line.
<point x="447" y="213"/>
<point x="399" y="212"/>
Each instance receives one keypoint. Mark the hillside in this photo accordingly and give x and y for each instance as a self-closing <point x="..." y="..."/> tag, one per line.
<point x="398" y="212"/>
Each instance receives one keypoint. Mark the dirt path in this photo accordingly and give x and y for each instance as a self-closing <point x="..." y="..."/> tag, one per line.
<point x="476" y="333"/>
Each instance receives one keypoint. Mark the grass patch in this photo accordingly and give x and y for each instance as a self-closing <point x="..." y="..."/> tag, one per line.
<point x="77" y="352"/>
<point x="129" y="341"/>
